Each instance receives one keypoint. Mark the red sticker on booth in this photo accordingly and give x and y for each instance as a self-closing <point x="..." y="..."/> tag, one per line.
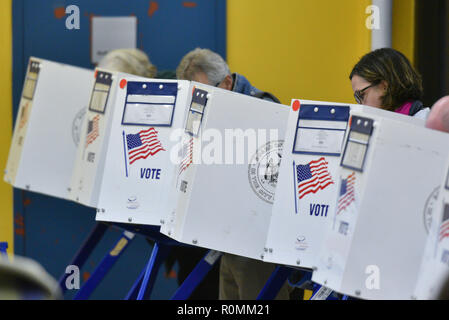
<point x="296" y="105"/>
<point x="123" y="83"/>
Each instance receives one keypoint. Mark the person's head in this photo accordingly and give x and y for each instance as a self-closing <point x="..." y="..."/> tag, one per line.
<point x="438" y="118"/>
<point x="384" y="78"/>
<point x="132" y="61"/>
<point x="205" y="66"/>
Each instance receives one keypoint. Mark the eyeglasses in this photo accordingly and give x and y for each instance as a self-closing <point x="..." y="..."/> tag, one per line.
<point x="359" y="94"/>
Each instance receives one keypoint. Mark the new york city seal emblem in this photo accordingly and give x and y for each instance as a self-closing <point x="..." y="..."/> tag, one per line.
<point x="263" y="170"/>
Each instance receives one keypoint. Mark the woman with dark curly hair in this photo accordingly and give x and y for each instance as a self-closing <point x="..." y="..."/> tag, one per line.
<point x="384" y="78"/>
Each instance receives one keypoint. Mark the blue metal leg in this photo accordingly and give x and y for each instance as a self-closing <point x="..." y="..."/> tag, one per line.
<point x="197" y="275"/>
<point x="274" y="283"/>
<point x="132" y="294"/>
<point x="105" y="265"/>
<point x="306" y="277"/>
<point x="158" y="255"/>
<point x="84" y="252"/>
<point x="3" y="247"/>
<point x="316" y="288"/>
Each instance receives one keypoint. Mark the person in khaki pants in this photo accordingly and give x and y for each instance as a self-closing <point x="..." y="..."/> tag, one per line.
<point x="240" y="278"/>
<point x="243" y="278"/>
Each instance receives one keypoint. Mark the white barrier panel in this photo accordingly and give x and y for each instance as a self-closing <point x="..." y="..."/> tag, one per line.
<point x="389" y="175"/>
<point x="47" y="128"/>
<point x="307" y="187"/>
<point x="95" y="131"/>
<point x="434" y="272"/>
<point x="227" y="182"/>
<point x="141" y="155"/>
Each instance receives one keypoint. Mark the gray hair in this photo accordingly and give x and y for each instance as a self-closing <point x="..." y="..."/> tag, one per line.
<point x="203" y="60"/>
<point x="132" y="61"/>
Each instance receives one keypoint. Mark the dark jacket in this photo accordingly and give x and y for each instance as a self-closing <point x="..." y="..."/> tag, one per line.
<point x="241" y="85"/>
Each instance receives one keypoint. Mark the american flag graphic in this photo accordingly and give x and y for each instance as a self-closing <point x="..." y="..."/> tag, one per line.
<point x="346" y="196"/>
<point x="92" y="130"/>
<point x="143" y="144"/>
<point x="313" y="177"/>
<point x="188" y="156"/>
<point x="444" y="229"/>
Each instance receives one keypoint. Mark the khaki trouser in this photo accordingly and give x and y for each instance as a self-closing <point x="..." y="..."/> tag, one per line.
<point x="243" y="278"/>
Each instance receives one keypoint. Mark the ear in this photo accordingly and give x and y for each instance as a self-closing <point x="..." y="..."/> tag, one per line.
<point x="384" y="85"/>
<point x="226" y="83"/>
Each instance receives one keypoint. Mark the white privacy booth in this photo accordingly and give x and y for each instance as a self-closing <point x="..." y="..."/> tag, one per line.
<point x="308" y="178"/>
<point x="389" y="177"/>
<point x="434" y="271"/>
<point x="95" y="131"/>
<point x="47" y="128"/>
<point x="306" y="189"/>
<point x="141" y="153"/>
<point x="226" y="184"/>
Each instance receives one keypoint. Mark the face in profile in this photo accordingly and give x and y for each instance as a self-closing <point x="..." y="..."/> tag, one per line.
<point x="201" y="77"/>
<point x="366" y="93"/>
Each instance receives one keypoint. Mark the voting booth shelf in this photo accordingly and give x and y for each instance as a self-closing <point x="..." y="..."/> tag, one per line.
<point x="307" y="188"/>
<point x="434" y="271"/>
<point x="389" y="177"/>
<point x="140" y="154"/>
<point x="95" y="131"/>
<point x="225" y="204"/>
<point x="47" y="127"/>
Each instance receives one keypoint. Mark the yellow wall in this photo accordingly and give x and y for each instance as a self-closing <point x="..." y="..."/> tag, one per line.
<point x="306" y="49"/>
<point x="298" y="49"/>
<point x="404" y="27"/>
<point x="6" y="197"/>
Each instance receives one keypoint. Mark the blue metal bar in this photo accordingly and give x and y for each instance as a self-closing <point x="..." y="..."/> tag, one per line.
<point x="197" y="275"/>
<point x="3" y="247"/>
<point x="132" y="294"/>
<point x="304" y="279"/>
<point x="274" y="283"/>
<point x="317" y="287"/>
<point x="158" y="255"/>
<point x="84" y="252"/>
<point x="105" y="265"/>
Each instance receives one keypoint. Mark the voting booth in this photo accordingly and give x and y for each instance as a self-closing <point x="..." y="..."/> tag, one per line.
<point x="306" y="189"/>
<point x="140" y="155"/>
<point x="389" y="176"/>
<point x="308" y="177"/>
<point x="95" y="131"/>
<point x="434" y="271"/>
<point x="47" y="128"/>
<point x="226" y="182"/>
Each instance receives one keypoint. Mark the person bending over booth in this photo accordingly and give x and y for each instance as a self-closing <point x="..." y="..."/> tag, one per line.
<point x="384" y="78"/>
<point x="240" y="277"/>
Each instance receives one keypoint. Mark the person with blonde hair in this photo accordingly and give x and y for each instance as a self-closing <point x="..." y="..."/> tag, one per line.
<point x="132" y="61"/>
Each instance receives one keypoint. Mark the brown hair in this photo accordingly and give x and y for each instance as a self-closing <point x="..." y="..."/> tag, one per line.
<point x="404" y="82"/>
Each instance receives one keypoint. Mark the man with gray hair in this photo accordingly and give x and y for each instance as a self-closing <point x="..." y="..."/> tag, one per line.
<point x="438" y="118"/>
<point x="206" y="66"/>
<point x="240" y="277"/>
